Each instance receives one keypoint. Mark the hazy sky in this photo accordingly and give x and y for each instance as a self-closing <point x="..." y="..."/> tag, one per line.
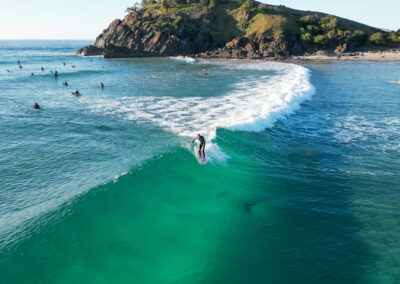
<point x="73" y="19"/>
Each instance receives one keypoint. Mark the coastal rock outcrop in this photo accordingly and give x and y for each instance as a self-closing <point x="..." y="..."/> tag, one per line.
<point x="233" y="30"/>
<point x="90" y="50"/>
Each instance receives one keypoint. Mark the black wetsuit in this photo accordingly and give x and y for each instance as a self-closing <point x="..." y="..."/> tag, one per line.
<point x="202" y="146"/>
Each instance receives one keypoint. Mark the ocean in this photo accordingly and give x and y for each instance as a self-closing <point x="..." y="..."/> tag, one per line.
<point x="301" y="185"/>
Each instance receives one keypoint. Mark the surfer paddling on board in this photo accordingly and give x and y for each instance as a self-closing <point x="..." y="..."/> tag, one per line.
<point x="202" y="145"/>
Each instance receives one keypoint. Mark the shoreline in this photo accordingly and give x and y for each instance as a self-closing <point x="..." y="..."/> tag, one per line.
<point x="377" y="56"/>
<point x="384" y="56"/>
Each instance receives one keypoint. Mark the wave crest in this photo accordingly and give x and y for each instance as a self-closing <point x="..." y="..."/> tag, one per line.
<point x="254" y="105"/>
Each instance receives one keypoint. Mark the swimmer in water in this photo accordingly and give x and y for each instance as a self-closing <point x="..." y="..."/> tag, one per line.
<point x="36" y="106"/>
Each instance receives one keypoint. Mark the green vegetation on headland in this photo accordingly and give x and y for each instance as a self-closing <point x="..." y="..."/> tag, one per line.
<point x="233" y="29"/>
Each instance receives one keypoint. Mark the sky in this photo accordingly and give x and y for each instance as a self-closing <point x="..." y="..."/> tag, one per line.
<point x="79" y="19"/>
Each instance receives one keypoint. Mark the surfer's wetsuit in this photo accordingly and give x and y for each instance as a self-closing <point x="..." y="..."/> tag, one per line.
<point x="202" y="146"/>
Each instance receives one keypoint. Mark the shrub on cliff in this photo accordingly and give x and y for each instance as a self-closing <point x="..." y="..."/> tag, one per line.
<point x="321" y="39"/>
<point x="329" y="22"/>
<point x="392" y="37"/>
<point x="309" y="20"/>
<point x="147" y="2"/>
<point x="359" y="37"/>
<point x="306" y="37"/>
<point x="313" y="29"/>
<point x="377" y="38"/>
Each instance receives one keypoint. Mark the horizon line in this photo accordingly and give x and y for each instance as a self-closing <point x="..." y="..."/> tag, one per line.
<point x="46" y="39"/>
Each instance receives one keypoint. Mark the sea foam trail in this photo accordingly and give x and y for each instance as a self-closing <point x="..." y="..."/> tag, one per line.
<point x="254" y="105"/>
<point x="185" y="58"/>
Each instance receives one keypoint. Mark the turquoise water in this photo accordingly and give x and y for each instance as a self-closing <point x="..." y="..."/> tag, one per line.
<point x="302" y="183"/>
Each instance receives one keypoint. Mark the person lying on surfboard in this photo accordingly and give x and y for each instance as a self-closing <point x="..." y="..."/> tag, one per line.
<point x="36" y="106"/>
<point x="202" y="145"/>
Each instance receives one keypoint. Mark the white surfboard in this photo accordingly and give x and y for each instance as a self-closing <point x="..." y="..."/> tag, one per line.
<point x="202" y="160"/>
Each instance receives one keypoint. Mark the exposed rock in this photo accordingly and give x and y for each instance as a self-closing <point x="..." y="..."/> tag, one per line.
<point x="342" y="48"/>
<point x="90" y="50"/>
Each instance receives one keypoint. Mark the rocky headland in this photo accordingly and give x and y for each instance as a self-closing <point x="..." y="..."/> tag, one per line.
<point x="236" y="29"/>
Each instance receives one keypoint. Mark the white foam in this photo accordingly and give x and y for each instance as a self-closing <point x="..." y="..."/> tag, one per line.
<point x="357" y="128"/>
<point x="185" y="58"/>
<point x="89" y="56"/>
<point x="254" y="105"/>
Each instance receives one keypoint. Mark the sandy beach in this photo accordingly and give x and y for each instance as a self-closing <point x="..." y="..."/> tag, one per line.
<point x="391" y="55"/>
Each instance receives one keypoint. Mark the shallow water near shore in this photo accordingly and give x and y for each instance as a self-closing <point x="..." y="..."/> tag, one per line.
<point x="302" y="182"/>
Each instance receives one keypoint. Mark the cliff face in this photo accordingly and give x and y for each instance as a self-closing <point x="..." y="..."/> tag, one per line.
<point x="233" y="30"/>
<point x="119" y="40"/>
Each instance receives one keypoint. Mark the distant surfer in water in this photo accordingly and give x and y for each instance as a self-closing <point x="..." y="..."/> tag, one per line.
<point x="202" y="145"/>
<point x="65" y="83"/>
<point x="101" y="85"/>
<point x="76" y="93"/>
<point x="36" y="106"/>
<point x="42" y="69"/>
<point x="55" y="73"/>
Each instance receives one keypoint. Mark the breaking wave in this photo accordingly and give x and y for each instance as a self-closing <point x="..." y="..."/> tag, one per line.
<point x="255" y="104"/>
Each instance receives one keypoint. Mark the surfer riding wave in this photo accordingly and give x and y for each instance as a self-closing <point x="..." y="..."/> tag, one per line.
<point x="202" y="145"/>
